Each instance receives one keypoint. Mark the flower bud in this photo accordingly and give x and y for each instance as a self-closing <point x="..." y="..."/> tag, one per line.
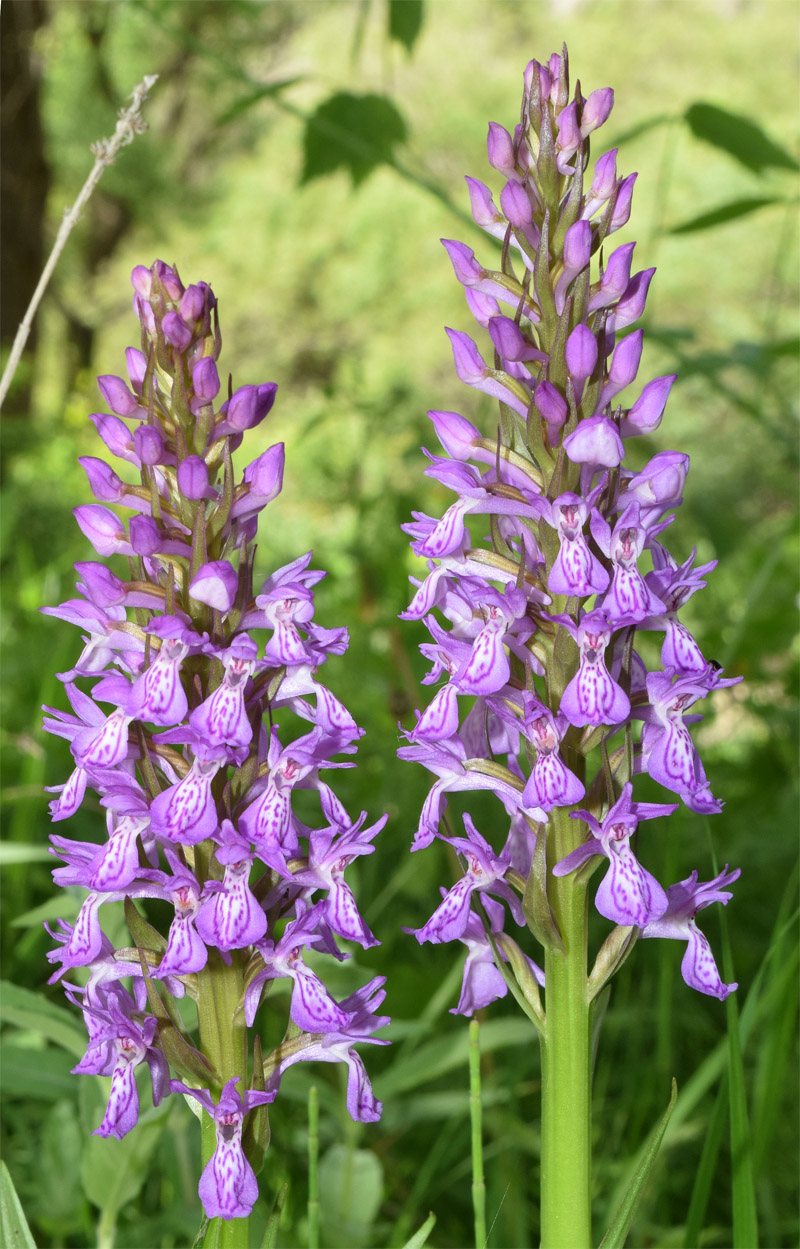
<point x="193" y="479"/>
<point x="659" y="485"/>
<point x="484" y="212"/>
<point x="615" y="279"/>
<point x="176" y="331"/>
<point x="104" y="530"/>
<point x="149" y="443"/>
<point x="500" y="147"/>
<point x="104" y="483"/>
<point x="569" y="135"/>
<point x="248" y="406"/>
<point x="605" y="175"/>
<point x="551" y="405"/>
<point x="117" y="396"/>
<point x="596" y="110"/>
<point x="581" y="353"/>
<point x="595" y="441"/>
<point x="624" y="366"/>
<point x="645" y="415"/>
<point x="631" y="306"/>
<point x="508" y="338"/>
<point x="142" y="281"/>
<point x="117" y="436"/>
<point x="215" y="584"/>
<point x="205" y="379"/>
<point x="456" y="434"/>
<point x="168" y="277"/>
<point x="483" y="307"/>
<point x="137" y="367"/>
<point x="144" y="534"/>
<point x="516" y="205"/>
<point x="577" y="246"/>
<point x="622" y="208"/>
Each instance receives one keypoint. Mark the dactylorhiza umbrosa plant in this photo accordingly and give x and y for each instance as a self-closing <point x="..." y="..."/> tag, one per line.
<point x="546" y="702"/>
<point x="196" y="745"/>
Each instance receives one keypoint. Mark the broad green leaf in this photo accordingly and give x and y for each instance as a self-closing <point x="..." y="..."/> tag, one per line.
<point x="14" y="1226"/>
<point x="420" y="1237"/>
<point x="740" y="137"/>
<point x="726" y="212"/>
<point x="36" y="1073"/>
<point x="32" y="1011"/>
<point x="353" y="132"/>
<point x="59" y="1181"/>
<point x="350" y="1192"/>
<point x="22" y="852"/>
<point x="620" y="1225"/>
<point x="63" y="905"/>
<point x="112" y="1171"/>
<point x="405" y="21"/>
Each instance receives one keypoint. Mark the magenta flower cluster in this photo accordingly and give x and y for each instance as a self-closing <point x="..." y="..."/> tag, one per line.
<point x="197" y="737"/>
<point x="534" y="625"/>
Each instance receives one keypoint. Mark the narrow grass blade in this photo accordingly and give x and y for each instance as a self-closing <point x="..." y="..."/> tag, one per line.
<point x="701" y="1190"/>
<point x="420" y="1237"/>
<point x="476" y="1122"/>
<point x="313" y="1168"/>
<point x="745" y="1219"/>
<point x="273" y="1223"/>
<point x="621" y="1223"/>
<point x="13" y="1224"/>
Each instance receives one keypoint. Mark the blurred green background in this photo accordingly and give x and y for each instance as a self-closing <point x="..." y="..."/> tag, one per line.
<point x="305" y="159"/>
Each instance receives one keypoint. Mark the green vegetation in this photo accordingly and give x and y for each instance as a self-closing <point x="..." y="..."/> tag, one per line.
<point x="266" y="173"/>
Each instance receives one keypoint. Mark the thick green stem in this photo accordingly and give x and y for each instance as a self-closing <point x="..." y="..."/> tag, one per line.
<point x="223" y="1039"/>
<point x="566" y="1070"/>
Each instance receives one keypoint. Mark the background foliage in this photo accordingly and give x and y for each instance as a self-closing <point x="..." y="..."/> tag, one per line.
<point x="305" y="158"/>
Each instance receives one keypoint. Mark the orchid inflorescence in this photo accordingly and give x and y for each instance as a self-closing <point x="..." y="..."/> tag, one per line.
<point x="534" y="625"/>
<point x="198" y="760"/>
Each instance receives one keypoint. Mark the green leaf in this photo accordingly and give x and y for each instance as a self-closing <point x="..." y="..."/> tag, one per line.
<point x="704" y="1177"/>
<point x="13" y="1224"/>
<point x="740" y="137"/>
<point x="22" y="852"/>
<point x="350" y="1192"/>
<point x="112" y="1171"/>
<point x="726" y="212"/>
<point x="621" y="1223"/>
<point x="421" y="1235"/>
<point x="273" y="1222"/>
<point x="255" y="97"/>
<point x="353" y="132"/>
<point x="32" y="1011"/>
<point x="36" y="1073"/>
<point x="405" y="21"/>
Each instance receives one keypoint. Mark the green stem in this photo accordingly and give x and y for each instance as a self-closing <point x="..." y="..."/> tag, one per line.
<point x="223" y="1039"/>
<point x="313" y="1159"/>
<point x="566" y="1070"/>
<point x="475" y="1115"/>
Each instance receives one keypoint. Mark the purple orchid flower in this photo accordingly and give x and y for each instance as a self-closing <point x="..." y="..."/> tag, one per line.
<point x="684" y="900"/>
<point x="228" y="1187"/>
